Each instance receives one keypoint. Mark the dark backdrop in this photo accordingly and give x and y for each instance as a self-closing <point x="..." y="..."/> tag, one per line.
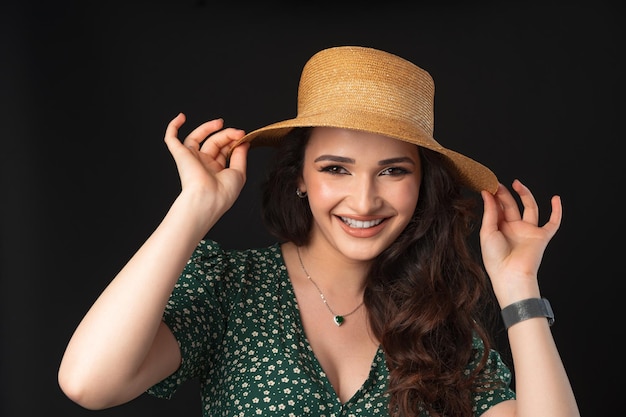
<point x="87" y="89"/>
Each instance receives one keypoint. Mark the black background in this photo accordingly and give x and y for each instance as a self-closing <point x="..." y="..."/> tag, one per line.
<point x="534" y="92"/>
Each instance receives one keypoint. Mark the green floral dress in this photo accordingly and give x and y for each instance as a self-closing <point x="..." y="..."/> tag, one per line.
<point x="235" y="316"/>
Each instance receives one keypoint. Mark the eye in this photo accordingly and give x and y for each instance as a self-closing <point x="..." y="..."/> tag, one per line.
<point x="334" y="169"/>
<point x="395" y="171"/>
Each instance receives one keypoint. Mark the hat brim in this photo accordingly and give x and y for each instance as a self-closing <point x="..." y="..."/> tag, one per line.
<point x="472" y="173"/>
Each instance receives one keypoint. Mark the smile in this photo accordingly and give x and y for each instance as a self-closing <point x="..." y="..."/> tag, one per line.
<point x="361" y="224"/>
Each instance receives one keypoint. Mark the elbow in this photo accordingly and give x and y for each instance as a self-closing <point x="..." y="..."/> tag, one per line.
<point x="81" y="390"/>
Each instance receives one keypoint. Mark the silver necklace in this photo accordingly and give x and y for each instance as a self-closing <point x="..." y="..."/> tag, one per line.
<point x="338" y="319"/>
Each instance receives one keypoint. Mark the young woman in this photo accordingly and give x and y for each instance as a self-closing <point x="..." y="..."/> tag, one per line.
<point x="371" y="301"/>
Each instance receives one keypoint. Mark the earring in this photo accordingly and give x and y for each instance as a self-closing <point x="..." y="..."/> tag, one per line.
<point x="300" y="193"/>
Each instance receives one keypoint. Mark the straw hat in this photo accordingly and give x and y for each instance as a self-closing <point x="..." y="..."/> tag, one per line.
<point x="367" y="89"/>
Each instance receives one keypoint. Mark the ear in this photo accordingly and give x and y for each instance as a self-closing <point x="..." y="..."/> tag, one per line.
<point x="301" y="185"/>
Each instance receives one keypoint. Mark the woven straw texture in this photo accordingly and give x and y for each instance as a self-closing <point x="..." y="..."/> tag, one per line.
<point x="367" y="89"/>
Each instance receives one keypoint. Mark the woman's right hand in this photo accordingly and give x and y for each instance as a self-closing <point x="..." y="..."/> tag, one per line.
<point x="202" y="158"/>
<point x="122" y="347"/>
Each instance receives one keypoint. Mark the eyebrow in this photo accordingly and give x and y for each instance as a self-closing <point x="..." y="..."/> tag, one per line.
<point x="343" y="159"/>
<point x="397" y="160"/>
<point x="334" y="158"/>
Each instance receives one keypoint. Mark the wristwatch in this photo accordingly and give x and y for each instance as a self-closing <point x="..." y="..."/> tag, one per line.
<point x="527" y="309"/>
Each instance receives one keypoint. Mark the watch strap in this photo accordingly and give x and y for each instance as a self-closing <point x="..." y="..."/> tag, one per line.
<point x="527" y="309"/>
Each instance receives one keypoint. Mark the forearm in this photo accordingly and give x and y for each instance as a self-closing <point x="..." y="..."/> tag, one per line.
<point x="541" y="383"/>
<point x="110" y="346"/>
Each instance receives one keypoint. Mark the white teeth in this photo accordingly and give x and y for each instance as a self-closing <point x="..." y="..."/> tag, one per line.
<point x="359" y="224"/>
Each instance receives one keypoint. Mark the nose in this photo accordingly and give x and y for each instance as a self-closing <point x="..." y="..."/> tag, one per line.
<point x="366" y="195"/>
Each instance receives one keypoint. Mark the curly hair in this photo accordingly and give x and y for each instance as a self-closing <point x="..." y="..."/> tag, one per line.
<point x="427" y="295"/>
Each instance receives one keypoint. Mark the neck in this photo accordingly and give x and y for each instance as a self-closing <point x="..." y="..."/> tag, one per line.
<point x="333" y="273"/>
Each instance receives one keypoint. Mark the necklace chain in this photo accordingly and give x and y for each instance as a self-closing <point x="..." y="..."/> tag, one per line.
<point x="338" y="319"/>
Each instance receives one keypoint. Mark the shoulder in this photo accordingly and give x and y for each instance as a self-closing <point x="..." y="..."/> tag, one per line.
<point x="211" y="255"/>
<point x="209" y="248"/>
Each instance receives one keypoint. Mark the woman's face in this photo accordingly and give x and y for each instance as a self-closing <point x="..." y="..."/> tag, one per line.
<point x="362" y="189"/>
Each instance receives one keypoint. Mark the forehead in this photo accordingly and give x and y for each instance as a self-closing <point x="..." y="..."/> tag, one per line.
<point x="357" y="143"/>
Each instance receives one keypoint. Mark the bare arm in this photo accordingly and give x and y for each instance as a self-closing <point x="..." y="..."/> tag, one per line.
<point x="513" y="244"/>
<point x="121" y="347"/>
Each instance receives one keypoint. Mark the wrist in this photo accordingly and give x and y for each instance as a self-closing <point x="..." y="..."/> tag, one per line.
<point x="517" y="290"/>
<point x="195" y="211"/>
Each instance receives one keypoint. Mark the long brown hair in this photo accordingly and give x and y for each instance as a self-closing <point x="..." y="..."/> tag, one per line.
<point x="426" y="294"/>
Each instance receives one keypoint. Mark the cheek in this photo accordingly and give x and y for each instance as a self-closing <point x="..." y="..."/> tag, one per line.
<point x="324" y="196"/>
<point x="405" y="198"/>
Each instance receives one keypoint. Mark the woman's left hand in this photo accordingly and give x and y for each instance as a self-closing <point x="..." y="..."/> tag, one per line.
<point x="512" y="242"/>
